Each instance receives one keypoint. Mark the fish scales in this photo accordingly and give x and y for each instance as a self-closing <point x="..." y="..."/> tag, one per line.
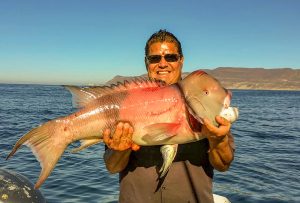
<point x="151" y="104"/>
<point x="105" y="111"/>
<point x="163" y="105"/>
<point x="102" y="113"/>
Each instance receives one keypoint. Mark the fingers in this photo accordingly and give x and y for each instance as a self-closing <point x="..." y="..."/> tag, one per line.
<point x="224" y="127"/>
<point x="113" y="140"/>
<point x="220" y="131"/>
<point x="125" y="132"/>
<point x="118" y="132"/>
<point x="222" y="121"/>
<point x="210" y="127"/>
<point x="128" y="132"/>
<point x="106" y="137"/>
<point x="125" y="140"/>
<point x="121" y="138"/>
<point x="135" y="147"/>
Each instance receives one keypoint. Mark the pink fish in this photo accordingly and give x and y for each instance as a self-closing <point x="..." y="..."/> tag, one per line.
<point x="158" y="113"/>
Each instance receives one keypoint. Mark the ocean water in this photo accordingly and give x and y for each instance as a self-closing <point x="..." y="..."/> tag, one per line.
<point x="266" y="167"/>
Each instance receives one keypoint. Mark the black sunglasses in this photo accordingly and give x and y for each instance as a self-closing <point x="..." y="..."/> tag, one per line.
<point x="168" y="58"/>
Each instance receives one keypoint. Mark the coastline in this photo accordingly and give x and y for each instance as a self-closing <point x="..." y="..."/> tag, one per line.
<point x="285" y="79"/>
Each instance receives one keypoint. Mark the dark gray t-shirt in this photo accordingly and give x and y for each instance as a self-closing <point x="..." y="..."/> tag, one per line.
<point x="188" y="180"/>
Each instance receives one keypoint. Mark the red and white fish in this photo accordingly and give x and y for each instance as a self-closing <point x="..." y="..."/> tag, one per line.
<point x="160" y="115"/>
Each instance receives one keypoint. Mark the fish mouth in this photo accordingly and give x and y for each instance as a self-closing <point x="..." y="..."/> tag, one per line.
<point x="227" y="100"/>
<point x="230" y="113"/>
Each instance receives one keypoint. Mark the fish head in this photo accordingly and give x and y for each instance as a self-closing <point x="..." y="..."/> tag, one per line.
<point x="205" y="96"/>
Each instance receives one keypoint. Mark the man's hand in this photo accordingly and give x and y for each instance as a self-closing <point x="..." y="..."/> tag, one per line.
<point x="217" y="134"/>
<point x="221" y="144"/>
<point x="121" y="139"/>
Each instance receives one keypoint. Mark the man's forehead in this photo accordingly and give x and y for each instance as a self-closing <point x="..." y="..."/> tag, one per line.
<point x="163" y="48"/>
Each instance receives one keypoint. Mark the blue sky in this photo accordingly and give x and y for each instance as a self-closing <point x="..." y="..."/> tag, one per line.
<point x="90" y="41"/>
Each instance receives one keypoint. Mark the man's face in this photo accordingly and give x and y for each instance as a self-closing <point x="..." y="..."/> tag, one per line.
<point x="168" y="67"/>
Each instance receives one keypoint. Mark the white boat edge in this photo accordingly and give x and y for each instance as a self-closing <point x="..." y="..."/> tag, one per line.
<point x="220" y="199"/>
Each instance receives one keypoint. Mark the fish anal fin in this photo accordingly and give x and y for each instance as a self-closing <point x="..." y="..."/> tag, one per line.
<point x="160" y="131"/>
<point x="168" y="153"/>
<point x="85" y="144"/>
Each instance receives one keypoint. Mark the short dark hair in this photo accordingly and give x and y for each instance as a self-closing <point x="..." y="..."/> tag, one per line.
<point x="163" y="36"/>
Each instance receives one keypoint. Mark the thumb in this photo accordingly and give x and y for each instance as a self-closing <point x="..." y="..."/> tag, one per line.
<point x="222" y="121"/>
<point x="135" y="147"/>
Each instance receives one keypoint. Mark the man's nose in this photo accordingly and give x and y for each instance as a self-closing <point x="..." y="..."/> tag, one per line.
<point x="163" y="63"/>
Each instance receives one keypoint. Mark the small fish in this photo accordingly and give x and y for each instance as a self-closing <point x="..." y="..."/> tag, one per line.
<point x="159" y="113"/>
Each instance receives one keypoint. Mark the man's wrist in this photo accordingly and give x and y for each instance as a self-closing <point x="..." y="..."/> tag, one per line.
<point x="215" y="143"/>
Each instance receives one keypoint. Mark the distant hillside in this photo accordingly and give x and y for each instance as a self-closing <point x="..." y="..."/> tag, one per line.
<point x="258" y="78"/>
<point x="249" y="78"/>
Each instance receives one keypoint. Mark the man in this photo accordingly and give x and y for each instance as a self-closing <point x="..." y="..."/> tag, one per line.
<point x="189" y="178"/>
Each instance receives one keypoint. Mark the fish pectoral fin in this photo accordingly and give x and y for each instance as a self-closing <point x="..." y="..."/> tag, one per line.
<point x="85" y="144"/>
<point x="168" y="153"/>
<point x="160" y="131"/>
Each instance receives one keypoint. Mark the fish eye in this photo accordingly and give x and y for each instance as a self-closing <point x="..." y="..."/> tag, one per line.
<point x="206" y="92"/>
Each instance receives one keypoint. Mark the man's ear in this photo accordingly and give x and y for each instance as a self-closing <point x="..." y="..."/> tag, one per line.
<point x="146" y="64"/>
<point x="182" y="59"/>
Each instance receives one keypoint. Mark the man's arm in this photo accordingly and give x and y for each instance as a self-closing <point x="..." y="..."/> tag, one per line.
<point x="221" y="144"/>
<point x="119" y="145"/>
<point x="116" y="161"/>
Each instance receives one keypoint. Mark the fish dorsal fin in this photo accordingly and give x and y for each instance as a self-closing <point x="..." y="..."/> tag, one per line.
<point x="85" y="95"/>
<point x="81" y="95"/>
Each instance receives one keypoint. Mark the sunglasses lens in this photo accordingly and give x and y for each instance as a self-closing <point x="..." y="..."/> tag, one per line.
<point x="168" y="58"/>
<point x="154" y="58"/>
<point x="171" y="57"/>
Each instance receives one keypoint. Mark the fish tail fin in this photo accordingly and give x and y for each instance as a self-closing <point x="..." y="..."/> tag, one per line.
<point x="45" y="145"/>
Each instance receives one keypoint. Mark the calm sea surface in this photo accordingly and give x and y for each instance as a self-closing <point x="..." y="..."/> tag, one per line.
<point x="266" y="166"/>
